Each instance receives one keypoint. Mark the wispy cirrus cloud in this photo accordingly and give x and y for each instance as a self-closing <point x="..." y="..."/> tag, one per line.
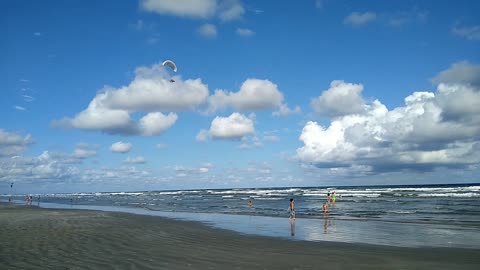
<point x="360" y="18"/>
<point x="468" y="32"/>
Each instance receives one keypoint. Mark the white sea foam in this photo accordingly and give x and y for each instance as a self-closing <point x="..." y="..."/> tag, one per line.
<point x="465" y="195"/>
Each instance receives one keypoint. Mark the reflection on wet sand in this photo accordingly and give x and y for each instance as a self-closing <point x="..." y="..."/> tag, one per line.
<point x="292" y="227"/>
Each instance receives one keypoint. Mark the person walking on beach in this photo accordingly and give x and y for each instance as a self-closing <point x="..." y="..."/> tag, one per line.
<point x="325" y="209"/>
<point x="328" y="197"/>
<point x="334" y="197"/>
<point x="291" y="208"/>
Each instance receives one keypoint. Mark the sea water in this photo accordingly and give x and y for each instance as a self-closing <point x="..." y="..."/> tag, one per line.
<point x="413" y="216"/>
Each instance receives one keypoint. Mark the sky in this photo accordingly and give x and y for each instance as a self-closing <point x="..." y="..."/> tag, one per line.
<point x="267" y="94"/>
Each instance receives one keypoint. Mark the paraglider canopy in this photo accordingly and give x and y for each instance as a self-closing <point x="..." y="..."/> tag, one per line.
<point x="171" y="64"/>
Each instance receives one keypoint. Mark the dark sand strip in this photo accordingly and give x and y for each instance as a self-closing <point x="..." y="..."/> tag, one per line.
<point x="35" y="238"/>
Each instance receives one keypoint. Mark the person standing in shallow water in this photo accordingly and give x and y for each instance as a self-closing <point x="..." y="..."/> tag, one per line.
<point x="291" y="208"/>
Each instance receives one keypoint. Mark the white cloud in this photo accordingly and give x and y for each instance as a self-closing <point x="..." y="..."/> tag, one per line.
<point x="83" y="151"/>
<point x="244" y="32"/>
<point x="208" y="30"/>
<point x="225" y="10"/>
<point x="156" y="123"/>
<point x="150" y="91"/>
<point x="284" y="110"/>
<point x="19" y="108"/>
<point x="182" y="171"/>
<point x="271" y="138"/>
<point x="43" y="167"/>
<point x="233" y="127"/>
<point x="250" y="142"/>
<point x="186" y="8"/>
<point x="357" y="18"/>
<point x="161" y="146"/>
<point x="467" y="32"/>
<point x="340" y="99"/>
<point x="230" y="10"/>
<point x="12" y="144"/>
<point x="460" y="72"/>
<point x="61" y="170"/>
<point x="202" y="136"/>
<point x="432" y="130"/>
<point x="136" y="160"/>
<point x="406" y="17"/>
<point x="254" y="95"/>
<point x="121" y="147"/>
<point x="28" y="98"/>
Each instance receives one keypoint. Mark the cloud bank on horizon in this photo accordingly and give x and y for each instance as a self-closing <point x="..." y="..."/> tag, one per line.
<point x="256" y="127"/>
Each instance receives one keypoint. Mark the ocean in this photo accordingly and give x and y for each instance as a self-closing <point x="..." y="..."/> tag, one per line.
<point x="413" y="216"/>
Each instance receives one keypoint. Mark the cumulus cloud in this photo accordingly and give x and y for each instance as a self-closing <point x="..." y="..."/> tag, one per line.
<point x="202" y="136"/>
<point x="284" y="110"/>
<point x="121" y="147"/>
<point x="150" y="91"/>
<point x="340" y="99"/>
<point x="182" y="171"/>
<point x="136" y="160"/>
<point x="229" y="10"/>
<point x="233" y="127"/>
<point x="461" y="72"/>
<point x="245" y="32"/>
<point x="156" y="123"/>
<point x="250" y="142"/>
<point x="186" y="8"/>
<point x="46" y="166"/>
<point x="225" y="10"/>
<point x="83" y="150"/>
<point x="431" y="130"/>
<point x="61" y="169"/>
<point x="208" y="30"/>
<point x="254" y="95"/>
<point x="467" y="32"/>
<point x="358" y="19"/>
<point x="13" y="144"/>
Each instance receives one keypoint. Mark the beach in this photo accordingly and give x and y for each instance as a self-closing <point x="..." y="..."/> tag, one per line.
<point x="38" y="238"/>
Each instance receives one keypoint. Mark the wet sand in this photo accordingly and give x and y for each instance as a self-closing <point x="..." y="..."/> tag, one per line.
<point x="37" y="238"/>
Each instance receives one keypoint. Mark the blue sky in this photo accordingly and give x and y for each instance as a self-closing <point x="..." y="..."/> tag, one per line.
<point x="291" y="93"/>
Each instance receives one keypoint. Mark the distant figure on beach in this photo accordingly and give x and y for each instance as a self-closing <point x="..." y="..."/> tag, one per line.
<point x="334" y="197"/>
<point x="325" y="209"/>
<point x="27" y="200"/>
<point x="250" y="203"/>
<point x="328" y="197"/>
<point x="291" y="208"/>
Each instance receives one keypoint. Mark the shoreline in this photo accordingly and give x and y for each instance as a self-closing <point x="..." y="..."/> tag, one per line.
<point x="36" y="238"/>
<point x="371" y="232"/>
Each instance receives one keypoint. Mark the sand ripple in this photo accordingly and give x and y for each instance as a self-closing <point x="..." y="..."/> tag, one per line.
<point x="33" y="238"/>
